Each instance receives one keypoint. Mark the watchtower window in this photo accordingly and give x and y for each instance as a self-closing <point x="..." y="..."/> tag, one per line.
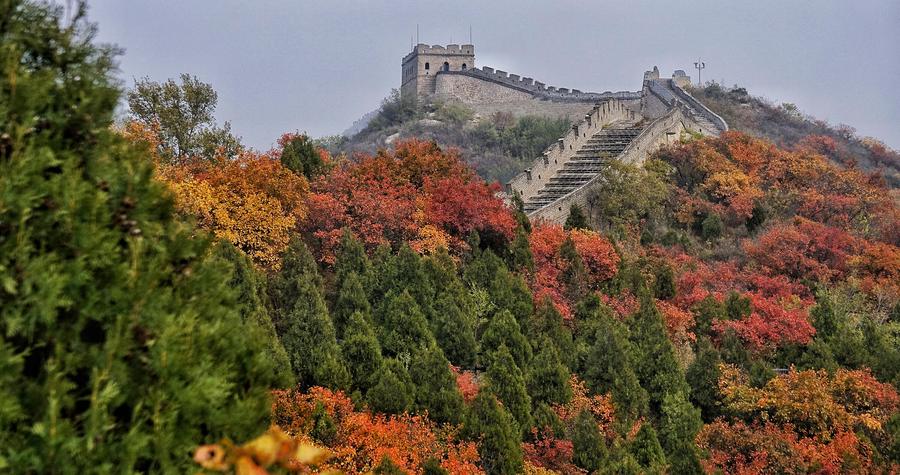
<point x="446" y="66"/>
<point x="464" y="66"/>
<point x="427" y="66"/>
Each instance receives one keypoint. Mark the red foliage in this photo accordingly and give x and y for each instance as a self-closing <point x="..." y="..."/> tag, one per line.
<point x="415" y="193"/>
<point x="599" y="258"/>
<point x="362" y="439"/>
<point x="465" y="381"/>
<point x="548" y="452"/>
<point x="804" y="249"/>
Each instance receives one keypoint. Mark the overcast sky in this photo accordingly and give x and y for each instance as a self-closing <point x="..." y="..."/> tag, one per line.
<point x="316" y="66"/>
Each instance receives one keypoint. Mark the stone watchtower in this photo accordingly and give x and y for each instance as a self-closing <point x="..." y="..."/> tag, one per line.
<point x="424" y="62"/>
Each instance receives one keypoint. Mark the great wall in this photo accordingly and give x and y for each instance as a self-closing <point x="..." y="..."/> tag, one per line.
<point x="626" y="126"/>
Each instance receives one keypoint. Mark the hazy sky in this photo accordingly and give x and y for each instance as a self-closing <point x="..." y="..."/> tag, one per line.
<point x="316" y="66"/>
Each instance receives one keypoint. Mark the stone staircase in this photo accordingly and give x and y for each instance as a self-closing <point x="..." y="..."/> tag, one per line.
<point x="588" y="161"/>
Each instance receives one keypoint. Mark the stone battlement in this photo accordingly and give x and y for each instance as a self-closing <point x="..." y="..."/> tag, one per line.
<point x="539" y="89"/>
<point x="453" y="49"/>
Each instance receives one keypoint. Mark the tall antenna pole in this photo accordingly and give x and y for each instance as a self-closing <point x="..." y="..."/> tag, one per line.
<point x="470" y="35"/>
<point x="700" y="65"/>
<point x="417" y="33"/>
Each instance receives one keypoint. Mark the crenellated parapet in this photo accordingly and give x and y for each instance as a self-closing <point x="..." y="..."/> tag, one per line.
<point x="539" y="89"/>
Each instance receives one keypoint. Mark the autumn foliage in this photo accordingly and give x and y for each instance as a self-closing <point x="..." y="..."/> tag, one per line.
<point x="415" y="193"/>
<point x="359" y="440"/>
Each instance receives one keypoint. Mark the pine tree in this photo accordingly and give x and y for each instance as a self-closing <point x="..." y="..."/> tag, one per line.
<point x="436" y="390"/>
<point x="703" y="377"/>
<point x="589" y="448"/>
<point x="656" y="366"/>
<point x="508" y="383"/>
<point x="361" y="351"/>
<point x="351" y="258"/>
<point x="388" y="467"/>
<point x="548" y="378"/>
<point x="679" y="424"/>
<point x="664" y="284"/>
<point x="402" y="326"/>
<point x="507" y="290"/>
<point x="250" y="299"/>
<point x="706" y="312"/>
<point x="576" y="219"/>
<point x="301" y="156"/>
<point x="432" y="466"/>
<point x="609" y="367"/>
<point x="454" y="332"/>
<point x="546" y="418"/>
<point x="574" y="275"/>
<point x="499" y="439"/>
<point x="304" y="325"/>
<point x="351" y="299"/>
<point x="520" y="256"/>
<point x="298" y="274"/>
<point x="547" y="322"/>
<point x="503" y="329"/>
<point x="393" y="391"/>
<point x="647" y="451"/>
<point x="121" y="344"/>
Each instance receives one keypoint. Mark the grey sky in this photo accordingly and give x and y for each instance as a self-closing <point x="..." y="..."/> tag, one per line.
<point x="316" y="66"/>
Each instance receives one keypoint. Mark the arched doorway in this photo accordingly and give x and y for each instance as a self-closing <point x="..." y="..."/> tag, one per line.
<point x="446" y="66"/>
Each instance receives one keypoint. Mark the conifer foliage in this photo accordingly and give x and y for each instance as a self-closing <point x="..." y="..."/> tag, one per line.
<point x="121" y="346"/>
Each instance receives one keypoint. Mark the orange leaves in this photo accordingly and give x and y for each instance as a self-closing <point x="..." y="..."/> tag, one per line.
<point x="600" y="262"/>
<point x="804" y="249"/>
<point x="812" y="402"/>
<point x="252" y="201"/>
<point x="362" y="438"/>
<point x="253" y="458"/>
<point x="416" y="193"/>
<point x="807" y="422"/>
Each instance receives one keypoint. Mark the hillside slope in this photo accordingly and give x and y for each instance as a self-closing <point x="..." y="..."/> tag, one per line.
<point x="787" y="126"/>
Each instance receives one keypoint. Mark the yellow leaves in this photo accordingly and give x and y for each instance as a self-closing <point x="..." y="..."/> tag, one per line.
<point x="252" y="201"/>
<point x="269" y="449"/>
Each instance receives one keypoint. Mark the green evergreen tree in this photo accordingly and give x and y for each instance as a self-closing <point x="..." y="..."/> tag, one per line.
<point x="432" y="466"/>
<point x="298" y="275"/>
<point x="647" y="451"/>
<point x="393" y="391"/>
<point x="122" y="345"/>
<point x="547" y="322"/>
<point x="402" y="326"/>
<point x="301" y="156"/>
<point x="323" y="429"/>
<point x="520" y="256"/>
<point x="589" y="448"/>
<point x="548" y="378"/>
<point x="576" y="219"/>
<point x="436" y="390"/>
<point x="503" y="329"/>
<point x="305" y="327"/>
<point x="703" y="377"/>
<point x="823" y="316"/>
<point x="706" y="312"/>
<point x="574" y="274"/>
<point x="521" y="217"/>
<point x="498" y="435"/>
<point x="507" y="290"/>
<point x="351" y="258"/>
<point x="387" y="467"/>
<point x="678" y="426"/>
<point x="609" y="368"/>
<point x="737" y="306"/>
<point x="454" y="332"/>
<point x="546" y="418"/>
<point x="664" y="285"/>
<point x="407" y="274"/>
<point x="361" y="351"/>
<point x="250" y="299"/>
<point x="351" y="299"/>
<point x="656" y="366"/>
<point x="508" y="383"/>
